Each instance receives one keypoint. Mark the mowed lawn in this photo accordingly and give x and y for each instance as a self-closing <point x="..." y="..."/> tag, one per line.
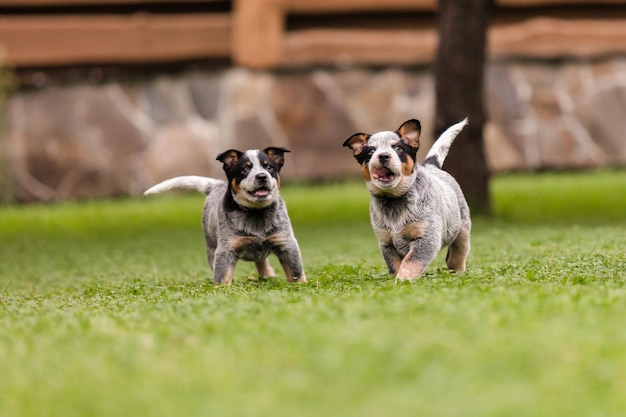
<point x="106" y="309"/>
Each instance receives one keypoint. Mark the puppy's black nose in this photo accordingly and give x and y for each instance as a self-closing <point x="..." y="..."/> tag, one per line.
<point x="261" y="176"/>
<point x="384" y="157"/>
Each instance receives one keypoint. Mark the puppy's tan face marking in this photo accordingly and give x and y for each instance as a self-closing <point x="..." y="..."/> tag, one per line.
<point x="235" y="186"/>
<point x="365" y="172"/>
<point x="408" y="165"/>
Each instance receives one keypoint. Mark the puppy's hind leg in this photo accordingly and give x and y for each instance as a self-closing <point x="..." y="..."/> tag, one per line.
<point x="392" y="258"/>
<point x="211" y="246"/>
<point x="458" y="250"/>
<point x="265" y="269"/>
<point x="210" y="257"/>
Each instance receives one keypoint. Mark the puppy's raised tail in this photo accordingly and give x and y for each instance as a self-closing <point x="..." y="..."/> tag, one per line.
<point x="202" y="184"/>
<point x="440" y="148"/>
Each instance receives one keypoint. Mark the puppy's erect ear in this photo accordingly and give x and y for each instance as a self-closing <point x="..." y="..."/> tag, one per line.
<point x="229" y="157"/>
<point x="277" y="154"/>
<point x="356" y="142"/>
<point x="410" y="132"/>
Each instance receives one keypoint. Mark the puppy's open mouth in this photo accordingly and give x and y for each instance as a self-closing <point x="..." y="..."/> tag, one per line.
<point x="382" y="174"/>
<point x="260" y="193"/>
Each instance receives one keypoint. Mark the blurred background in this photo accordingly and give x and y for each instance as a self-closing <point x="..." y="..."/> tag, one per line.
<point x="106" y="97"/>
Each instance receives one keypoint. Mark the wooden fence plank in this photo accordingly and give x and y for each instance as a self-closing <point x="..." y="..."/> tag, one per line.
<point x="339" y="6"/>
<point x="343" y="6"/>
<point x="258" y="32"/>
<point x="554" y="38"/>
<point x="359" y="46"/>
<point x="62" y="40"/>
<point x="541" y="3"/>
<point x="536" y="37"/>
<point x="53" y="3"/>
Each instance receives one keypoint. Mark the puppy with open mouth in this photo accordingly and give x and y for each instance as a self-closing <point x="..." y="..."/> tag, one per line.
<point x="415" y="210"/>
<point x="245" y="216"/>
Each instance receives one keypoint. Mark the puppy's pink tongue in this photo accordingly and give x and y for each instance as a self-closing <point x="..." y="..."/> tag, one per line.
<point x="382" y="174"/>
<point x="261" y="192"/>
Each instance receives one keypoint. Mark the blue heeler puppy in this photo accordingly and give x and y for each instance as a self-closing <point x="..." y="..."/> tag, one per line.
<point x="245" y="217"/>
<point x="415" y="210"/>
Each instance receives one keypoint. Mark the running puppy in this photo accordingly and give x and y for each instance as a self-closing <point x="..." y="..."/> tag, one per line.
<point x="415" y="210"/>
<point x="245" y="217"/>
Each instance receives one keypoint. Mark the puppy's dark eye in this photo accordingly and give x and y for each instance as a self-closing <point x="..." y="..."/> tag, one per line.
<point x="371" y="151"/>
<point x="398" y="149"/>
<point x="245" y="169"/>
<point x="269" y="168"/>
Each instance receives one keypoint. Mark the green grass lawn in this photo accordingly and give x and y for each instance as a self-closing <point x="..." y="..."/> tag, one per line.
<point x="106" y="309"/>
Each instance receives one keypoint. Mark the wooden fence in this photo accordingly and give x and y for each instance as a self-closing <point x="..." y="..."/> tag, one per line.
<point x="290" y="33"/>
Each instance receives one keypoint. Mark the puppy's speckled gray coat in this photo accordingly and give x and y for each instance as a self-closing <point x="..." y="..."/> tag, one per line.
<point x="245" y="218"/>
<point x="415" y="210"/>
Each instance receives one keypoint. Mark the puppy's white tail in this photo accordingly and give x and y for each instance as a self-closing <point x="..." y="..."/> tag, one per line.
<point x="440" y="148"/>
<point x="202" y="184"/>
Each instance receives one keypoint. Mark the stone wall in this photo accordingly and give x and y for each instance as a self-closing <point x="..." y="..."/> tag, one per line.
<point x="90" y="139"/>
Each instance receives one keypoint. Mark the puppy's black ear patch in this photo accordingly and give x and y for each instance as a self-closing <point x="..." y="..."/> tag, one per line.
<point x="356" y="143"/>
<point x="410" y="132"/>
<point x="277" y="154"/>
<point x="229" y="158"/>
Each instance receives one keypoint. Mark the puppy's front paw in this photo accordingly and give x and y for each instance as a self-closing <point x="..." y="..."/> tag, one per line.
<point x="301" y="279"/>
<point x="410" y="270"/>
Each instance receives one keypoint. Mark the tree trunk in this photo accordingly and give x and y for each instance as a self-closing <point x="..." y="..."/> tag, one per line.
<point x="459" y="67"/>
